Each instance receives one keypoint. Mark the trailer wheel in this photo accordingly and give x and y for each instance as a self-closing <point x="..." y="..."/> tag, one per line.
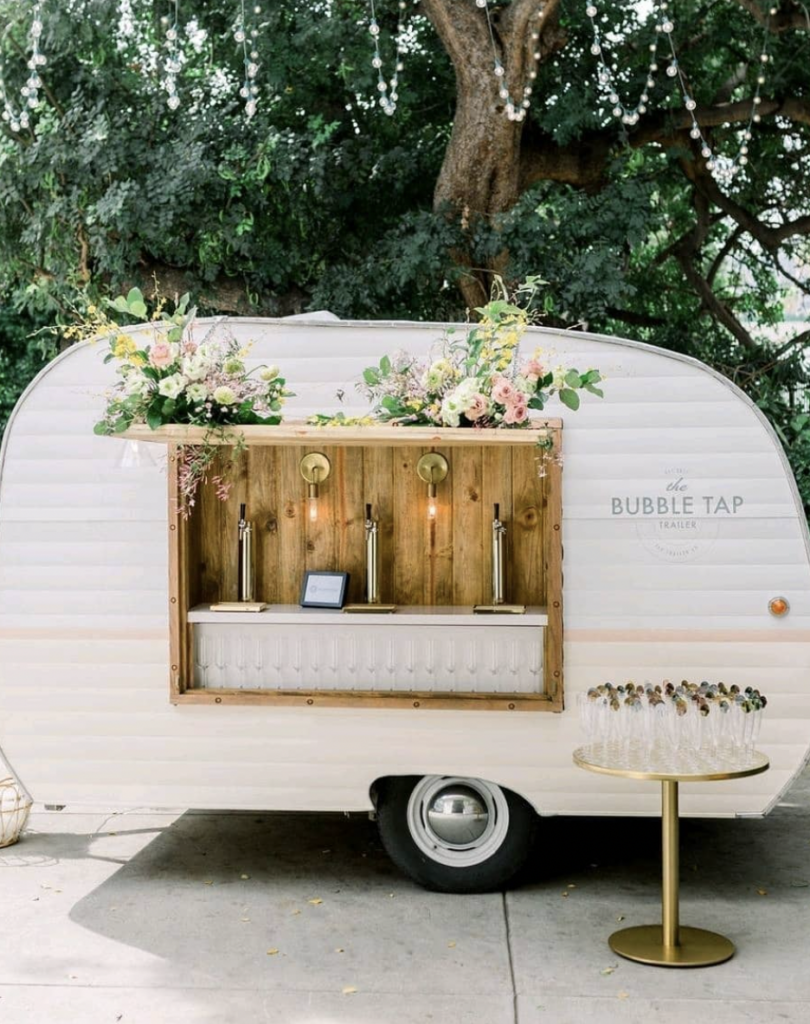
<point x="454" y="834"/>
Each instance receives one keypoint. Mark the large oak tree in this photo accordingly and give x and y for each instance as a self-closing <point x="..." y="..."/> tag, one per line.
<point x="323" y="200"/>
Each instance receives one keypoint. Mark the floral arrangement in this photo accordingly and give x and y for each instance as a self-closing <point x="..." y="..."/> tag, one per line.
<point x="710" y="716"/>
<point x="176" y="378"/>
<point x="478" y="381"/>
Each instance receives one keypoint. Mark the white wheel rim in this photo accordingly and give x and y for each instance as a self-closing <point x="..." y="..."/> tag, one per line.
<point x="450" y="854"/>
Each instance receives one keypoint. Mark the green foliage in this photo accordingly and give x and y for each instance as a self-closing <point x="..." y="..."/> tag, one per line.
<point x="21" y="358"/>
<point x="321" y="201"/>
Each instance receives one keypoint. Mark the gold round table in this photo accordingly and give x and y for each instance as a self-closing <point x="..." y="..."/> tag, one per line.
<point x="669" y="944"/>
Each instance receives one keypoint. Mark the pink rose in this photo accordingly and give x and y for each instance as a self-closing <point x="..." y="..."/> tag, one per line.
<point x="534" y="369"/>
<point x="160" y="355"/>
<point x="189" y="347"/>
<point x="478" y="407"/>
<point x="516" y="413"/>
<point x="502" y="391"/>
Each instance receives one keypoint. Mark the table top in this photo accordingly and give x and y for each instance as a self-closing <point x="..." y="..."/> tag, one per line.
<point x="664" y="764"/>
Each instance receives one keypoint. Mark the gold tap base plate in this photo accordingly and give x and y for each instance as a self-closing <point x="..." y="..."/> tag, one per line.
<point x="239" y="606"/>
<point x="382" y="608"/>
<point x="500" y="609"/>
<point x="697" y="947"/>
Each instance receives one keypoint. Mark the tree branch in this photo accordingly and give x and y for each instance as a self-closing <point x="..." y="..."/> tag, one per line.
<point x="521" y="14"/>
<point x="782" y="21"/>
<point x="734" y="80"/>
<point x="800" y="339"/>
<point x="225" y="294"/>
<point x="583" y="163"/>
<point x="801" y="285"/>
<point x="463" y="31"/>
<point x="710" y="302"/>
<point x="629" y="316"/>
<point x="769" y="237"/>
<point x="717" y="262"/>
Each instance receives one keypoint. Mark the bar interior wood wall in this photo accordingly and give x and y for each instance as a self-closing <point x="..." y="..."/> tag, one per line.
<point x="444" y="562"/>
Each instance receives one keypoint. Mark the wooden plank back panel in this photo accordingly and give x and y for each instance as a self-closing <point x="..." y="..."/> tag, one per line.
<point x="526" y="553"/>
<point x="439" y="562"/>
<point x="293" y="536"/>
<point x="469" y="517"/>
<point x="411" y="536"/>
<point x="214" y="545"/>
<point x="447" y="561"/>
<point x="322" y="534"/>
<point x="378" y="491"/>
<point x="496" y="490"/>
<point x="347" y="485"/>
<point x="263" y="511"/>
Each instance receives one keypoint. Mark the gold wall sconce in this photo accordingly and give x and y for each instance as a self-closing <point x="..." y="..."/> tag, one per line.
<point x="432" y="468"/>
<point x="315" y="468"/>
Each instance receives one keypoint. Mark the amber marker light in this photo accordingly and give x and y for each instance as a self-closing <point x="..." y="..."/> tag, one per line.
<point x="778" y="606"/>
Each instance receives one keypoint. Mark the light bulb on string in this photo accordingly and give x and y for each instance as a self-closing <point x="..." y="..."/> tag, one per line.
<point x="173" y="62"/>
<point x="723" y="169"/>
<point x="17" y="120"/>
<point x="246" y="38"/>
<point x="388" y="89"/>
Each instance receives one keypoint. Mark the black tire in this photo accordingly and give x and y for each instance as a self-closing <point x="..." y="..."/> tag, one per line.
<point x="478" y="866"/>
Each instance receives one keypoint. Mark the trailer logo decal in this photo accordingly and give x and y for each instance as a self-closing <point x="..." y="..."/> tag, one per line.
<point x="680" y="522"/>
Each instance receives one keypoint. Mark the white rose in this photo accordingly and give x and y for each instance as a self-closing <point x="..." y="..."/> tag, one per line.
<point x="268" y="373"/>
<point x="136" y="384"/>
<point x="211" y="353"/>
<point x="170" y="387"/>
<point x="465" y="391"/>
<point x="197" y="392"/>
<point x="224" y="396"/>
<point x="452" y="409"/>
<point x="194" y="367"/>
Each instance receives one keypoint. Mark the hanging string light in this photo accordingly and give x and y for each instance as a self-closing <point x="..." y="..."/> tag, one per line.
<point x="515" y="110"/>
<point x="629" y="113"/>
<point x="246" y="38"/>
<point x="722" y="168"/>
<point x="388" y="89"/>
<point x="173" y="63"/>
<point x="18" y="120"/>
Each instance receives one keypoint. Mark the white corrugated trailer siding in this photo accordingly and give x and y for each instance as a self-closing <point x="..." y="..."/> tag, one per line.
<point x="84" y="707"/>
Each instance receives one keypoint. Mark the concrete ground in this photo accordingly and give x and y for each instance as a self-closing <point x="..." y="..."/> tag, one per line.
<point x="145" y="918"/>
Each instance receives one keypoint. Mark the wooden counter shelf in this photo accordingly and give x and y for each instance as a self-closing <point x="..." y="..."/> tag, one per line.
<point x="293" y="432"/>
<point x="444" y="563"/>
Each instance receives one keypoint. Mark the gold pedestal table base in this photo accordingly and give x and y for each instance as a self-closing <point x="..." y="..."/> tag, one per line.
<point x="669" y="944"/>
<point x="695" y="947"/>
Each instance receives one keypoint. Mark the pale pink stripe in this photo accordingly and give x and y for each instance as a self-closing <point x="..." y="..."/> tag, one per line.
<point x="737" y="636"/>
<point x="83" y="634"/>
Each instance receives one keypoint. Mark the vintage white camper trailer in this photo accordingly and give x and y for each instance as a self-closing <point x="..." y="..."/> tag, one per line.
<point x="655" y="553"/>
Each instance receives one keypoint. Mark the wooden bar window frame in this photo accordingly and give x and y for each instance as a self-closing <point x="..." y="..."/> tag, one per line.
<point x="180" y="545"/>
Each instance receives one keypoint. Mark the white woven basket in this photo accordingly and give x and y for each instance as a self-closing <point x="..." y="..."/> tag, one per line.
<point x="15" y="805"/>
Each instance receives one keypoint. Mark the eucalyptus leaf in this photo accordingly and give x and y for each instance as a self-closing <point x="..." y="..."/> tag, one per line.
<point x="569" y="398"/>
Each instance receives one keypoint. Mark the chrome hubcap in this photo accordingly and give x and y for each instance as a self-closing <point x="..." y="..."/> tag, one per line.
<point x="457" y="822"/>
<point x="458" y="815"/>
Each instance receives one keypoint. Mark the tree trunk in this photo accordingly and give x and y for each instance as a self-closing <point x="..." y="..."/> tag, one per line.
<point x="480" y="178"/>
